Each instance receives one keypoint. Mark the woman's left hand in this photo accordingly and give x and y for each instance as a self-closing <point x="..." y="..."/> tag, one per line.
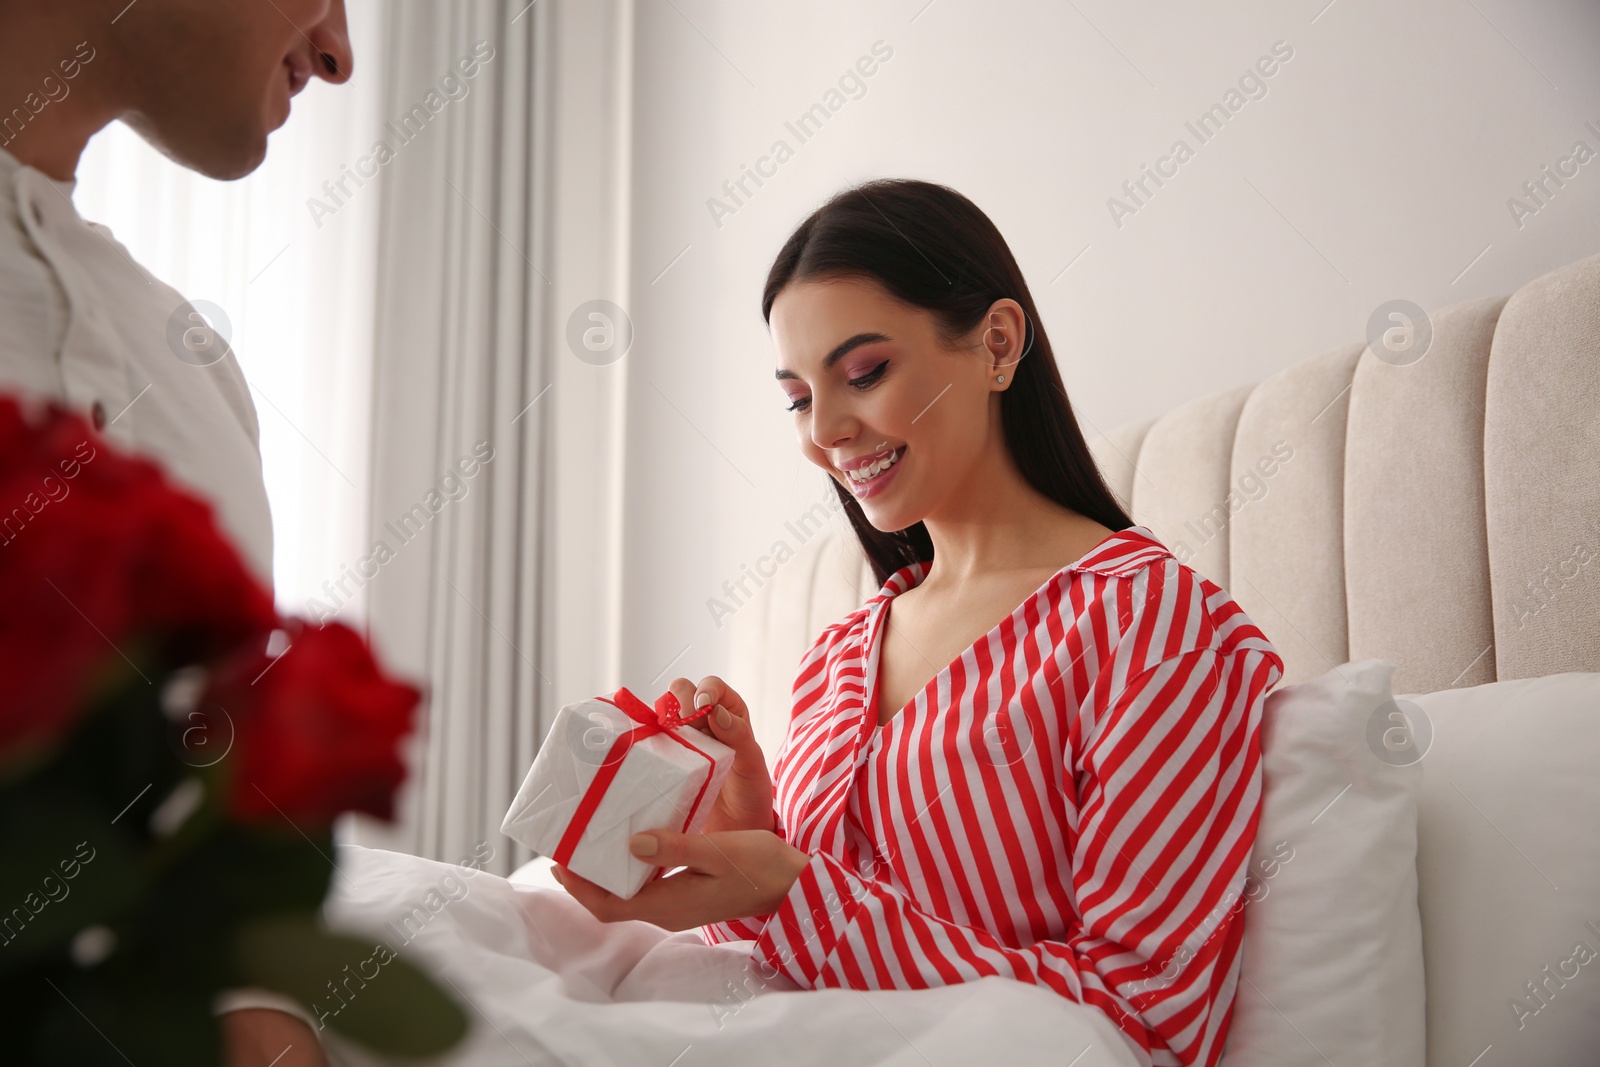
<point x="732" y="874"/>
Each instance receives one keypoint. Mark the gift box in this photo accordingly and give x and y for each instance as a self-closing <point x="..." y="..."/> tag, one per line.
<point x="609" y="768"/>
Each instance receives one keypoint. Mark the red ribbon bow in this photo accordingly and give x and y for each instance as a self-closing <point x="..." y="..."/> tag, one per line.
<point x="664" y="718"/>
<point x="668" y="709"/>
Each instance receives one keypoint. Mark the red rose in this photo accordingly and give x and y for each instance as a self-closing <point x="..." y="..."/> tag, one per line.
<point x="104" y="565"/>
<point x="317" y="730"/>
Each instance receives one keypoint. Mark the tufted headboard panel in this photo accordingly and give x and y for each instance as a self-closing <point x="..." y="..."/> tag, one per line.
<point x="1443" y="514"/>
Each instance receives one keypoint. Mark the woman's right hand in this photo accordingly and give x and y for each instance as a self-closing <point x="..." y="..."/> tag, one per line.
<point x="746" y="800"/>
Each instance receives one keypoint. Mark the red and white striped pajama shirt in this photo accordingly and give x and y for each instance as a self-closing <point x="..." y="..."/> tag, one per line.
<point x="1071" y="802"/>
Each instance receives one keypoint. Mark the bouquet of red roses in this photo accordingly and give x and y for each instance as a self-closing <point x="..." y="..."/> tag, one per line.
<point x="172" y="758"/>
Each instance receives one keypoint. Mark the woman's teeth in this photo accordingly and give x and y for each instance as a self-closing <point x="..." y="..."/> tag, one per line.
<point x="867" y="473"/>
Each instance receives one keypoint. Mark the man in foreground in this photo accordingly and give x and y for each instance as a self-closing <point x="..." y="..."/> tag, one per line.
<point x="205" y="82"/>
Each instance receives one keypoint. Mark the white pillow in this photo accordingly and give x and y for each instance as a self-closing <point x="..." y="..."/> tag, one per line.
<point x="1509" y="864"/>
<point x="1332" y="969"/>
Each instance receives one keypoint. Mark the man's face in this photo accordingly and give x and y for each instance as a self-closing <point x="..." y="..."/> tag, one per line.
<point x="207" y="80"/>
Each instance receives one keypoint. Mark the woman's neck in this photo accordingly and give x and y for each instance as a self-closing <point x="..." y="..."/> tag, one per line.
<point x="1010" y="527"/>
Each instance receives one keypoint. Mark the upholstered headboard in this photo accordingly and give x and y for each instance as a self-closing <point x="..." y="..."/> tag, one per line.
<point x="1443" y="514"/>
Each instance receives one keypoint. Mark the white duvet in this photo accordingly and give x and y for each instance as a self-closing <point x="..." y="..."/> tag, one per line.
<point x="546" y="983"/>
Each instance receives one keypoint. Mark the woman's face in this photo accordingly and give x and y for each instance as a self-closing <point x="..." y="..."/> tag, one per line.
<point x="869" y="381"/>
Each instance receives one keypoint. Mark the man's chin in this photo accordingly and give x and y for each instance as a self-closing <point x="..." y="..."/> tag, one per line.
<point x="222" y="158"/>
<point x="232" y="168"/>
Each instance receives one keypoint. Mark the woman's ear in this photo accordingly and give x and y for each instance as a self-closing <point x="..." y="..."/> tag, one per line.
<point x="1004" y="337"/>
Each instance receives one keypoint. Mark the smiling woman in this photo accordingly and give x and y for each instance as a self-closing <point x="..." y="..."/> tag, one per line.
<point x="1035" y="751"/>
<point x="874" y="254"/>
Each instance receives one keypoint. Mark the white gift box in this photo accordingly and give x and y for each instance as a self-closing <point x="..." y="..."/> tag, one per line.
<point x="634" y="779"/>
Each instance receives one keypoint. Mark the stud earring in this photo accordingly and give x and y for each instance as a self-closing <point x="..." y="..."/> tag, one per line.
<point x="1001" y="378"/>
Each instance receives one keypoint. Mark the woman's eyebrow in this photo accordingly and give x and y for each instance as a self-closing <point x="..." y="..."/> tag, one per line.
<point x="839" y="352"/>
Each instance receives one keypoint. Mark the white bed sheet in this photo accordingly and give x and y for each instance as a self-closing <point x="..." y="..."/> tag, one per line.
<point x="547" y="983"/>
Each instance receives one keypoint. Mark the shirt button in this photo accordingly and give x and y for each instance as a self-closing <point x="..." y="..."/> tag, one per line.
<point x="98" y="414"/>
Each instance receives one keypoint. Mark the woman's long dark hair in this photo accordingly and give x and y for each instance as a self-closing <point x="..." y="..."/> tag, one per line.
<point x="931" y="247"/>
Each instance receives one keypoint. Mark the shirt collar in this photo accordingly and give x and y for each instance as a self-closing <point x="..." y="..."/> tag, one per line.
<point x="10" y="165"/>
<point x="1122" y="553"/>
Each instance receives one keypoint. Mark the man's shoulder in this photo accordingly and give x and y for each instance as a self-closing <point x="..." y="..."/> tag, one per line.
<point x="79" y="293"/>
<point x="33" y="311"/>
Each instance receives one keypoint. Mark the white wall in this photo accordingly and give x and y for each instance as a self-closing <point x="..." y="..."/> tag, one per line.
<point x="1378" y="165"/>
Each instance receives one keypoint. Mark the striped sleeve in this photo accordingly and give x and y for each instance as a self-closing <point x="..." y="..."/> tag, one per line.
<point x="806" y="677"/>
<point x="1168" y="780"/>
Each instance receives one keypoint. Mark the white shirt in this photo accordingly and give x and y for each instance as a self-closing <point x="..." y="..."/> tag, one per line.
<point x="82" y="323"/>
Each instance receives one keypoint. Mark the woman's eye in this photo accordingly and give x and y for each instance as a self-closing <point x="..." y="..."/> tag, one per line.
<point x="863" y="382"/>
<point x="871" y="376"/>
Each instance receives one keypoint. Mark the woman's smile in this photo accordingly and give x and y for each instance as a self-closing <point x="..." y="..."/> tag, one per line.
<point x="875" y="475"/>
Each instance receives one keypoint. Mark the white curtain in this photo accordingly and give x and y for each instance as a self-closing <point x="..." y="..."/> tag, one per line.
<point x="494" y="518"/>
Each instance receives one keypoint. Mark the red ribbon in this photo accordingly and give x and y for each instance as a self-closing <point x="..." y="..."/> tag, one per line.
<point x="662" y="719"/>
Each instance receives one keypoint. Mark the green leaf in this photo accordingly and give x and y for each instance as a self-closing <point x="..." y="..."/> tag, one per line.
<point x="360" y="988"/>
